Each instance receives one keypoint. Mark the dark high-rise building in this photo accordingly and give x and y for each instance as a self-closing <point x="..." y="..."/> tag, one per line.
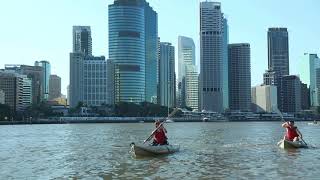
<point x="291" y="99"/>
<point x="305" y="97"/>
<point x="133" y="39"/>
<point x="278" y="57"/>
<point x="82" y="41"/>
<point x="278" y="52"/>
<point x="239" y="77"/>
<point x="211" y="56"/>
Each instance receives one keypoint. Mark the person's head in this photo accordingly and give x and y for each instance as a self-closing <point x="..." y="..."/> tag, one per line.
<point x="157" y="123"/>
<point x="291" y="123"/>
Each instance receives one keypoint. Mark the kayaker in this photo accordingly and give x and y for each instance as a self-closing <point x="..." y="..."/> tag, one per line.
<point x="292" y="133"/>
<point x="159" y="136"/>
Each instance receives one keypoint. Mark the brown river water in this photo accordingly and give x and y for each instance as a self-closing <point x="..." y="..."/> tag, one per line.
<point x="213" y="150"/>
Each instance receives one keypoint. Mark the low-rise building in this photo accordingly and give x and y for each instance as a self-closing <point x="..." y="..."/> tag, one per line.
<point x="264" y="98"/>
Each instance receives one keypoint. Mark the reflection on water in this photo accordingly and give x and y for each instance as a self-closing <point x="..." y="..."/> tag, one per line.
<point x="208" y="150"/>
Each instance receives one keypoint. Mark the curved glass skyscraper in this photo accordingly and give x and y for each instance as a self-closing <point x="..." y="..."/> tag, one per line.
<point x="127" y="49"/>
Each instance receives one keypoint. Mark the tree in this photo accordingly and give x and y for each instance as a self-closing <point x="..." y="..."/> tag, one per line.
<point x="5" y="112"/>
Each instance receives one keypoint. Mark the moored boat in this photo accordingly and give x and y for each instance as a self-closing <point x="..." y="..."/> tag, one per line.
<point x="285" y="144"/>
<point x="149" y="150"/>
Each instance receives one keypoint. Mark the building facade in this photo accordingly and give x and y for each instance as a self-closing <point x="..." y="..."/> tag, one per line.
<point x="225" y="64"/>
<point x="239" y="77"/>
<point x="76" y="80"/>
<point x="211" y="56"/>
<point x="82" y="40"/>
<point x="2" y="96"/>
<point x="94" y="81"/>
<point x="167" y="75"/>
<point x="54" y="87"/>
<point x="46" y="72"/>
<point x="264" y="98"/>
<point x="291" y="99"/>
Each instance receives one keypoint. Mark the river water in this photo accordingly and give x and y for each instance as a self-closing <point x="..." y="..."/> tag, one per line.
<point x="226" y="150"/>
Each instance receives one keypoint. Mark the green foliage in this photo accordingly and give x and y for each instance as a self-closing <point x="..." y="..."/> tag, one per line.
<point x="5" y="112"/>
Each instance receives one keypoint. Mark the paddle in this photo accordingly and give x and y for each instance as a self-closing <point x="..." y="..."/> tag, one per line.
<point x="170" y="115"/>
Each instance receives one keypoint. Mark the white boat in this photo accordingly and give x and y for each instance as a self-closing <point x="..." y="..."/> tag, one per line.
<point x="169" y="121"/>
<point x="149" y="150"/>
<point x="285" y="144"/>
<point x="314" y="124"/>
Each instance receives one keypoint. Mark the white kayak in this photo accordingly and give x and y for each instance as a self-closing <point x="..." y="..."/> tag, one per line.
<point x="149" y="150"/>
<point x="285" y="144"/>
<point x="314" y="124"/>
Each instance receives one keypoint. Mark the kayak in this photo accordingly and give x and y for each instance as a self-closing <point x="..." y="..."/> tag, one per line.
<point x="285" y="144"/>
<point x="149" y="150"/>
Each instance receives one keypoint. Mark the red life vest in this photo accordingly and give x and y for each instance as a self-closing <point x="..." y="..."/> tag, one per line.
<point x="291" y="133"/>
<point x="160" y="136"/>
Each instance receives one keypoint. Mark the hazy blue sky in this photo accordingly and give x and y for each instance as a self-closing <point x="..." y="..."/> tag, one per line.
<point x="42" y="29"/>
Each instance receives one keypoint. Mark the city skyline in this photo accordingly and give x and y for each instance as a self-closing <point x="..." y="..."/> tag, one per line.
<point x="39" y="45"/>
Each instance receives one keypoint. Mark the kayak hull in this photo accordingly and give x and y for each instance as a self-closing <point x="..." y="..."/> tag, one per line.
<point x="149" y="150"/>
<point x="285" y="144"/>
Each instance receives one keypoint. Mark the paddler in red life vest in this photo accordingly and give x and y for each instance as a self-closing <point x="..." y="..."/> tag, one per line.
<point x="159" y="136"/>
<point x="292" y="133"/>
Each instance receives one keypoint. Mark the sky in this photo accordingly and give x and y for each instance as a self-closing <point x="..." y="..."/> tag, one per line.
<point x="36" y="30"/>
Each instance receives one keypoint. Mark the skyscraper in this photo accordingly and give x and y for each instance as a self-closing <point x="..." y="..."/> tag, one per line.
<point x="278" y="57"/>
<point x="82" y="41"/>
<point x="211" y="56"/>
<point x="46" y="68"/>
<point x="54" y="87"/>
<point x="187" y="67"/>
<point x="167" y="75"/>
<point x="307" y="72"/>
<point x="239" y="77"/>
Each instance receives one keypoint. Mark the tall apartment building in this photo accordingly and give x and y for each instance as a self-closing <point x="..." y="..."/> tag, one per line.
<point x="2" y="96"/>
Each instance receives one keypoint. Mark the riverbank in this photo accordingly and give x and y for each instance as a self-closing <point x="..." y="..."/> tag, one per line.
<point x="77" y="120"/>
